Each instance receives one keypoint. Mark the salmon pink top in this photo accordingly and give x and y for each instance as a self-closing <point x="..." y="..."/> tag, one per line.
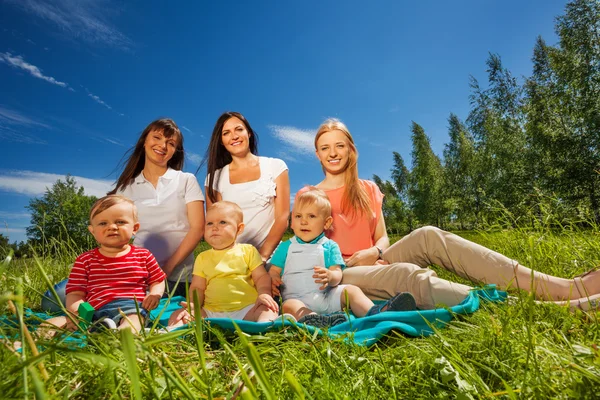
<point x="353" y="233"/>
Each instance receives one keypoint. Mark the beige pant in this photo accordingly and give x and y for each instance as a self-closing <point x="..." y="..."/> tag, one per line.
<point x="410" y="256"/>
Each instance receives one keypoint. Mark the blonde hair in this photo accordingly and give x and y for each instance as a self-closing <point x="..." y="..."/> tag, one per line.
<point x="227" y="207"/>
<point x="314" y="196"/>
<point x="107" y="202"/>
<point x="355" y="199"/>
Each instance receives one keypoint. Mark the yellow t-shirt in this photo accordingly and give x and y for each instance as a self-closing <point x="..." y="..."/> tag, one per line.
<point x="228" y="274"/>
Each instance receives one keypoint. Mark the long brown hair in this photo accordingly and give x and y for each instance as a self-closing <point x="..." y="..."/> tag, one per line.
<point x="217" y="156"/>
<point x="136" y="156"/>
<point x="355" y="199"/>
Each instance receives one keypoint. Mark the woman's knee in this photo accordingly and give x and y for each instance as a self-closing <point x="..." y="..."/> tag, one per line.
<point x="426" y="231"/>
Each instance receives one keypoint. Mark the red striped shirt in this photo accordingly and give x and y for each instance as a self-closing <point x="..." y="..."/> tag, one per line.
<point x="104" y="279"/>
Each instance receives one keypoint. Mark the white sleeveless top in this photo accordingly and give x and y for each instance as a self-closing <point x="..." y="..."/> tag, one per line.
<point x="255" y="198"/>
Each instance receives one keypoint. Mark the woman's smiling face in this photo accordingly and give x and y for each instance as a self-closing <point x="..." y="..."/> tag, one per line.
<point x="159" y="149"/>
<point x="235" y="137"/>
<point x="333" y="151"/>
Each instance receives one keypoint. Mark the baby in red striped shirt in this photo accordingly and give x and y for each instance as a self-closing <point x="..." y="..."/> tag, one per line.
<point x="116" y="275"/>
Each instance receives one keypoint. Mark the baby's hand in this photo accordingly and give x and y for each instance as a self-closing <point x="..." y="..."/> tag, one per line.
<point x="179" y="317"/>
<point x="151" y="302"/>
<point x="275" y="283"/>
<point x="322" y="276"/>
<point x="71" y="326"/>
<point x="268" y="302"/>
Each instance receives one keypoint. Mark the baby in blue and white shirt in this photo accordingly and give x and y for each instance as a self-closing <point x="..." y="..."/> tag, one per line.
<point x="306" y="270"/>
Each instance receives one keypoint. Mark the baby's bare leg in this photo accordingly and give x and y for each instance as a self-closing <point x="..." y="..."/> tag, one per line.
<point x="260" y="313"/>
<point x="297" y="308"/>
<point x="133" y="321"/>
<point x="48" y="328"/>
<point x="358" y="302"/>
<point x="181" y="317"/>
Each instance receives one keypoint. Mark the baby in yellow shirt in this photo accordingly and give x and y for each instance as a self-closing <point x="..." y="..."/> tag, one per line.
<point x="230" y="279"/>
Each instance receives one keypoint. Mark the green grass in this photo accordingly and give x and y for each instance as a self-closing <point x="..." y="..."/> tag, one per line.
<point x="516" y="350"/>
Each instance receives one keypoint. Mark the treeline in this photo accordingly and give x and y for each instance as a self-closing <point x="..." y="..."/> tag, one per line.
<point x="525" y="150"/>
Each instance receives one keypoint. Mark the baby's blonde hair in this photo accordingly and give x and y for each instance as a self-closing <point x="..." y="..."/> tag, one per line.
<point x="106" y="202"/>
<point x="316" y="196"/>
<point x="227" y="207"/>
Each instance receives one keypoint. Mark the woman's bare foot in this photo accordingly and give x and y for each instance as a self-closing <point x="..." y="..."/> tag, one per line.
<point x="590" y="303"/>
<point x="588" y="284"/>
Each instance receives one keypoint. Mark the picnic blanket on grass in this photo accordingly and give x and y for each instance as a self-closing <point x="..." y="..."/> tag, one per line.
<point x="362" y="331"/>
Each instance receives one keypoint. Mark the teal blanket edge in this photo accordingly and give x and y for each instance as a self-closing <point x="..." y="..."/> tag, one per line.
<point x="362" y="331"/>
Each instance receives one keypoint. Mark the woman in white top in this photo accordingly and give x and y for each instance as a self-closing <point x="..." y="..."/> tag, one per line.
<point x="170" y="203"/>
<point x="259" y="185"/>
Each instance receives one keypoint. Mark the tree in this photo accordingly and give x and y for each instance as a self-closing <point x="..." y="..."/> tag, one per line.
<point x="563" y="102"/>
<point x="61" y="217"/>
<point x="425" y="180"/>
<point x="496" y="120"/>
<point x="459" y="173"/>
<point x="394" y="210"/>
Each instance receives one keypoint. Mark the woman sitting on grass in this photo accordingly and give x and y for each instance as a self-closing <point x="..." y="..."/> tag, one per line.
<point x="169" y="201"/>
<point x="360" y="231"/>
<point x="259" y="185"/>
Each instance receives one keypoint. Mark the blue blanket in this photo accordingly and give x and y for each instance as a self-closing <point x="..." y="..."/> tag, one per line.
<point x="362" y="331"/>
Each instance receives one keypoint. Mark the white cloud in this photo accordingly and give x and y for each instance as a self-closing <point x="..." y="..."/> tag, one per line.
<point x="114" y="141"/>
<point x="15" y="118"/>
<point x="19" y="62"/>
<point x="35" y="183"/>
<point x="12" y="230"/>
<point x="11" y="123"/>
<point x="14" y="215"/>
<point x="286" y="156"/>
<point x="11" y="135"/>
<point x="298" y="140"/>
<point x="185" y="128"/>
<point x="193" y="157"/>
<point x="79" y="19"/>
<point x="99" y="100"/>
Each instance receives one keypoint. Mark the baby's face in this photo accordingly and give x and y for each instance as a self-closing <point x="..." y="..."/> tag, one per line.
<point x="221" y="229"/>
<point x="114" y="226"/>
<point x="309" y="221"/>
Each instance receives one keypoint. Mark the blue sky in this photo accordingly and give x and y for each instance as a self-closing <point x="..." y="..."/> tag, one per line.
<point x="80" y="79"/>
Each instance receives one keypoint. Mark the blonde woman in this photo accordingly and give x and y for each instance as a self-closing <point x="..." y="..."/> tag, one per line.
<point x="359" y="229"/>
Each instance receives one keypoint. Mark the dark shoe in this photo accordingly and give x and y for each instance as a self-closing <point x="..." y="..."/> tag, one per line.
<point x="401" y="302"/>
<point x="322" y="321"/>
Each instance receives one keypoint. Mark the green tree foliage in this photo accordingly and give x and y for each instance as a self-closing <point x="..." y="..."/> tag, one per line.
<point x="496" y="121"/>
<point x="526" y="150"/>
<point x="394" y="210"/>
<point x="563" y="103"/>
<point x="425" y="188"/>
<point x="61" y="216"/>
<point x="461" y="189"/>
<point x="4" y="245"/>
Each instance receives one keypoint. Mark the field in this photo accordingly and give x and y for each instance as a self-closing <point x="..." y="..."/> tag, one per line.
<point x="519" y="349"/>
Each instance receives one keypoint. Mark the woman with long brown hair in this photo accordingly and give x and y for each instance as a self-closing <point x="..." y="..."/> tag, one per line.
<point x="170" y="202"/>
<point x="359" y="229"/>
<point x="259" y="185"/>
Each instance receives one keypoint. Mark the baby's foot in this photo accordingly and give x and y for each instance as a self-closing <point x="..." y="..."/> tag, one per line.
<point x="401" y="302"/>
<point x="322" y="321"/>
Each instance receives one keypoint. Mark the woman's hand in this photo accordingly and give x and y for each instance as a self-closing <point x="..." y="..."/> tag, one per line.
<point x="363" y="257"/>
